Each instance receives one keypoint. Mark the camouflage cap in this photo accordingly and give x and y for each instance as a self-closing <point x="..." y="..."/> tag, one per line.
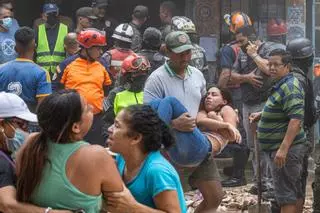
<point x="178" y="42"/>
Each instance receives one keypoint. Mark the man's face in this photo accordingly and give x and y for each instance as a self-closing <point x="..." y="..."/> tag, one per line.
<point x="163" y="14"/>
<point x="180" y="60"/>
<point x="5" y="13"/>
<point x="241" y="39"/>
<point x="95" y="52"/>
<point x="277" y="68"/>
<point x="86" y="22"/>
<point x="9" y="6"/>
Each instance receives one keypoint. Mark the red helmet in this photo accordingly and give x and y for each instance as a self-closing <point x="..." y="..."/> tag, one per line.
<point x="135" y="64"/>
<point x="91" y="37"/>
<point x="239" y="20"/>
<point x="277" y="27"/>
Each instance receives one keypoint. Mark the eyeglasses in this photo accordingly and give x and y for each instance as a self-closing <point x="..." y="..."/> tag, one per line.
<point x="275" y="65"/>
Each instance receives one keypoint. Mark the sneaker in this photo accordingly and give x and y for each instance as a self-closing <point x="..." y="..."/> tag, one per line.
<point x="234" y="182"/>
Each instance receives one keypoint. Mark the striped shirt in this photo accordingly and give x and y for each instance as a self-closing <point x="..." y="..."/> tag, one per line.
<point x="285" y="102"/>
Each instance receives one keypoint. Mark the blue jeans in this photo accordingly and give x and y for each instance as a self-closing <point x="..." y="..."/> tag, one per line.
<point x="191" y="148"/>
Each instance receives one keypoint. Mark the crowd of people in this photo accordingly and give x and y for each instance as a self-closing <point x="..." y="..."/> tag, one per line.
<point x="97" y="117"/>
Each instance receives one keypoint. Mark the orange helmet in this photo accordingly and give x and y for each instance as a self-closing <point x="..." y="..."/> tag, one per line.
<point x="277" y="27"/>
<point x="238" y="20"/>
<point x="135" y="64"/>
<point x="91" y="37"/>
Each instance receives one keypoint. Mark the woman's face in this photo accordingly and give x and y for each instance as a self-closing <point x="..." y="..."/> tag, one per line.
<point x="118" y="139"/>
<point x="214" y="100"/>
<point x="86" y="117"/>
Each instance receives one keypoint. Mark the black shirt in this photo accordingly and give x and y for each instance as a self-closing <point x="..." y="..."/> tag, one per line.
<point x="7" y="173"/>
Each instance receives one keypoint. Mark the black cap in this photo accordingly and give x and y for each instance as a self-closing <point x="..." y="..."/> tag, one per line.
<point x="140" y="11"/>
<point x="86" y="12"/>
<point x="101" y="3"/>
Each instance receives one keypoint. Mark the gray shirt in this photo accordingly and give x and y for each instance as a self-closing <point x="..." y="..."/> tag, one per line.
<point x="245" y="64"/>
<point x="164" y="82"/>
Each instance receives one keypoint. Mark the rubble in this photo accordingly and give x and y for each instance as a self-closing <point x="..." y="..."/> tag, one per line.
<point x="236" y="200"/>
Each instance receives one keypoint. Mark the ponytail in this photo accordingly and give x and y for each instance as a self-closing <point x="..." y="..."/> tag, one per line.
<point x="32" y="162"/>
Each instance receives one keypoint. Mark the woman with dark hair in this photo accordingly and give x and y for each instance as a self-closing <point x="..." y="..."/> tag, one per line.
<point x="53" y="168"/>
<point x="138" y="135"/>
<point x="217" y="124"/>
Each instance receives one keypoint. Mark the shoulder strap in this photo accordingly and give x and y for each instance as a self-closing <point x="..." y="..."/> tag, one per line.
<point x="7" y="158"/>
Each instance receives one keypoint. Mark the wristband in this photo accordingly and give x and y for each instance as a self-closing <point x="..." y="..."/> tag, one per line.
<point x="48" y="210"/>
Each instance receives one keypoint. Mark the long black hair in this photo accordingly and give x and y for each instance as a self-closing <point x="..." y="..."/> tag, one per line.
<point x="56" y="115"/>
<point x="144" y="120"/>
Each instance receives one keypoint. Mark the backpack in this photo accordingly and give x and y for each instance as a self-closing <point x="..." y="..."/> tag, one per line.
<point x="310" y="116"/>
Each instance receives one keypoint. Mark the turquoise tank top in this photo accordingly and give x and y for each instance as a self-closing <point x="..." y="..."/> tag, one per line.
<point x="55" y="190"/>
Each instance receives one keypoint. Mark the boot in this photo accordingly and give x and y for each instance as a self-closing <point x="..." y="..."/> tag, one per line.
<point x="240" y="158"/>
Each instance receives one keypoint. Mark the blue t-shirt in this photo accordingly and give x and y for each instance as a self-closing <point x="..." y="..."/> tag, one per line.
<point x="25" y="79"/>
<point x="156" y="175"/>
<point x="7" y="43"/>
<point x="228" y="57"/>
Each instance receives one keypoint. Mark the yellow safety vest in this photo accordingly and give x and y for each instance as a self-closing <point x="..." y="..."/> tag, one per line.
<point x="126" y="98"/>
<point x="44" y="58"/>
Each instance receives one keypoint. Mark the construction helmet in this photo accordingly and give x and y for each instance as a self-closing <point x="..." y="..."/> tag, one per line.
<point x="182" y="23"/>
<point x="135" y="64"/>
<point x="123" y="32"/>
<point x="91" y="37"/>
<point x="276" y="27"/>
<point x="237" y="20"/>
<point x="300" y="48"/>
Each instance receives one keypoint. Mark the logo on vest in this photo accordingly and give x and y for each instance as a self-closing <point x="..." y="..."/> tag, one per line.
<point x="7" y="47"/>
<point x="15" y="88"/>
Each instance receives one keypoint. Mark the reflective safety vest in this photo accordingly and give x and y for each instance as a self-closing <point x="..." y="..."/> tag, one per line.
<point x="117" y="57"/>
<point x="44" y="58"/>
<point x="126" y="98"/>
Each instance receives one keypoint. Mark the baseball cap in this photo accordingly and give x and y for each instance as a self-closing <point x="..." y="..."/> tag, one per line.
<point x="12" y="105"/>
<point x="101" y="3"/>
<point x="50" y="8"/>
<point x="140" y="11"/>
<point x="86" y="12"/>
<point x="178" y="42"/>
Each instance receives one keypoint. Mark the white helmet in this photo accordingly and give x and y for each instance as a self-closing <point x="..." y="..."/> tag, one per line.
<point x="123" y="32"/>
<point x="182" y="23"/>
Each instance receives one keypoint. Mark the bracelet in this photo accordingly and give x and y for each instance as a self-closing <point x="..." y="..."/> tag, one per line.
<point x="48" y="210"/>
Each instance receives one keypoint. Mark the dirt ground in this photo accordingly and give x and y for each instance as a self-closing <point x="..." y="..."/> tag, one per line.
<point x="237" y="200"/>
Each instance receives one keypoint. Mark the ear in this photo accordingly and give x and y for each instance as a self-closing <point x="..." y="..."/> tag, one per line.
<point x="225" y="102"/>
<point x="136" y="139"/>
<point x="76" y="128"/>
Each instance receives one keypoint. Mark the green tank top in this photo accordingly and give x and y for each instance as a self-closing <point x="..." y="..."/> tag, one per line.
<point x="55" y="190"/>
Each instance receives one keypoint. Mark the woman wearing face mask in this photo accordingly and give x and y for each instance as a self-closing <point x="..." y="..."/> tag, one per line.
<point x="217" y="124"/>
<point x="134" y="73"/>
<point x="56" y="168"/>
<point x="14" y="116"/>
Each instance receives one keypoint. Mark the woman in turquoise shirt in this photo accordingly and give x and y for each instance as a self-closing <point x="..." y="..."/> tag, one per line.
<point x="152" y="183"/>
<point x="57" y="168"/>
